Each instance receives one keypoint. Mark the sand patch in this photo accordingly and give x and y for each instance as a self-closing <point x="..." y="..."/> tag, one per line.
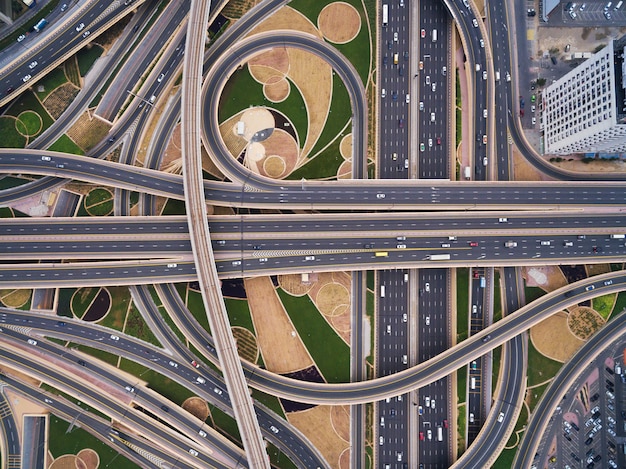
<point x="584" y="322"/>
<point x="332" y="299"/>
<point x="289" y="19"/>
<point x="339" y="22"/>
<point x="553" y="338"/>
<point x="596" y="166"/>
<point x="331" y="295"/>
<point x="278" y="341"/>
<point x="282" y="154"/>
<point x="293" y="284"/>
<point x="523" y="170"/>
<point x="196" y="407"/>
<point x="278" y="91"/>
<point x="89" y="458"/>
<point x="548" y="277"/>
<point x="316" y="424"/>
<point x="67" y="461"/>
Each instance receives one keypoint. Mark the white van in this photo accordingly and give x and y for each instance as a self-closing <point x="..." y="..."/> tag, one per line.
<point x="473" y="383"/>
<point x="434" y="35"/>
<point x="432" y="117"/>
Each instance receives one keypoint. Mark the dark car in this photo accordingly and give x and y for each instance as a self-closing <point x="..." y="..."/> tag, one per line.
<point x="389" y="45"/>
<point x="401" y="122"/>
<point x="588" y="441"/>
<point x="595" y="397"/>
<point x="575" y="427"/>
<point x="82" y="362"/>
<point x="368" y="246"/>
<point x="401" y="70"/>
<point x="553" y="59"/>
<point x="165" y="408"/>
<point x="385" y="60"/>
<point x="486" y="338"/>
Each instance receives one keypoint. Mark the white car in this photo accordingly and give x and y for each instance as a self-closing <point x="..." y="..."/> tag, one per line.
<point x="45" y="158"/>
<point x="401" y="246"/>
<point x="427" y="320"/>
<point x="501" y="417"/>
<point x="309" y="258"/>
<point x="432" y="403"/>
<point x="430" y="142"/>
<point x="202" y="433"/>
<point x="161" y="76"/>
<point x="421" y="105"/>
<point x="263" y="259"/>
<point x="80" y="27"/>
<point x="381" y="440"/>
<point x="86" y="33"/>
<point x="427" y="401"/>
<point x="173" y="364"/>
<point x="172" y="266"/>
<point x="427" y="287"/>
<point x="32" y="341"/>
<point x="408" y="98"/>
<point x="404" y="317"/>
<point x="471" y="417"/>
<point x="482" y="43"/>
<point x="26" y="78"/>
<point x="236" y="263"/>
<point x="193" y="452"/>
<point x="429" y="434"/>
<point x="33" y="64"/>
<point x="434" y="87"/>
<point x="21" y="37"/>
<point x="383" y="93"/>
<point x="380" y="195"/>
<point x="217" y="391"/>
<point x="475" y="22"/>
<point x="274" y="429"/>
<point x="395" y="37"/>
<point x="428" y="79"/>
<point x="114" y="337"/>
<point x="484" y="74"/>
<point x="129" y="388"/>
<point x="485" y="113"/>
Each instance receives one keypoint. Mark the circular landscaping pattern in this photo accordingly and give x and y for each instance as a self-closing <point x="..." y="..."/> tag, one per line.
<point x="67" y="461"/>
<point x="332" y="299"/>
<point x="89" y="459"/>
<point x="99" y="202"/>
<point x="90" y="303"/>
<point x="339" y="22"/>
<point x="29" y="123"/>
<point x="247" y="346"/>
<point x="292" y="284"/>
<point x="277" y="91"/>
<point x="274" y="166"/>
<point x="584" y="322"/>
<point x="15" y="298"/>
<point x="196" y="407"/>
<point x="11" y="138"/>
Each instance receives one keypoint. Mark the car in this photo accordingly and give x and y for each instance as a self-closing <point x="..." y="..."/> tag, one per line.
<point x="421" y="65"/>
<point x="33" y="64"/>
<point x="420" y="410"/>
<point x="172" y="266"/>
<point x="508" y="76"/>
<point x="484" y="140"/>
<point x="473" y="244"/>
<point x="408" y="98"/>
<point x="422" y="146"/>
<point x="582" y="7"/>
<point x="485" y="113"/>
<point x="381" y="440"/>
<point x="608" y="282"/>
<point x="445" y="424"/>
<point x="45" y="158"/>
<point x="309" y="258"/>
<point x="589" y="287"/>
<point x="423" y="33"/>
<point x="531" y="12"/>
<point x="64" y="7"/>
<point x="380" y="195"/>
<point x="80" y="27"/>
<point x="114" y="337"/>
<point x="445" y="245"/>
<point x="532" y="108"/>
<point x="401" y="71"/>
<point x="86" y="33"/>
<point x="427" y="401"/>
<point x="444" y="70"/>
<point x="404" y="317"/>
<point x="218" y="391"/>
<point x="433" y="87"/>
<point x="165" y="408"/>
<point x="195" y="364"/>
<point x="429" y="434"/>
<point x="82" y="363"/>
<point x="32" y="341"/>
<point x="475" y="22"/>
<point x="474" y="311"/>
<point x="430" y="143"/>
<point x="432" y="117"/>
<point x="427" y="320"/>
<point x="432" y="404"/>
<point x="173" y="364"/>
<point x="401" y="122"/>
<point x="485" y="161"/>
<point x="389" y="45"/>
<point x="401" y="246"/>
<point x="607" y="15"/>
<point x="61" y="166"/>
<point x="484" y="74"/>
<point x="161" y="76"/>
<point x="26" y="78"/>
<point x="406" y="55"/>
<point x="421" y="436"/>
<point x="394" y="95"/>
<point x="395" y="37"/>
<point x="236" y="263"/>
<point x="471" y="417"/>
<point x="473" y="365"/>
<point x="383" y="93"/>
<point x="193" y="452"/>
<point x="427" y="287"/>
<point x="501" y="417"/>
<point x="428" y="79"/>
<point x="487" y="338"/>
<point x="421" y="105"/>
<point x="21" y="37"/>
<point x="385" y="60"/>
<point x="438" y="140"/>
<point x="274" y="429"/>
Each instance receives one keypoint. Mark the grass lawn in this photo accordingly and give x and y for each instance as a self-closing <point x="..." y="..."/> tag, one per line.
<point x="120" y="298"/>
<point x="28" y="123"/>
<point x="11" y="138"/>
<point x="196" y="307"/>
<point x="87" y="56"/>
<point x="61" y="443"/>
<point x="329" y="352"/>
<point x="323" y="166"/>
<point x="535" y="395"/>
<point x="620" y="304"/>
<point x="496" y="353"/>
<point x="532" y="293"/>
<point x="461" y="379"/>
<point x="604" y="304"/>
<point x="106" y="357"/>
<point x="239" y="313"/>
<point x="96" y="196"/>
<point x="66" y="145"/>
<point x="505" y="460"/>
<point x="225" y="423"/>
<point x="269" y="401"/>
<point x="137" y="327"/>
<point x="174" y="207"/>
<point x="9" y="181"/>
<point x="497" y="298"/>
<point x="540" y="368"/>
<point x="462" y="304"/>
<point x="278" y="459"/>
<point x="370" y="280"/>
<point x="50" y="82"/>
<point x="29" y="102"/>
<point x="461" y="422"/>
<point x="99" y="202"/>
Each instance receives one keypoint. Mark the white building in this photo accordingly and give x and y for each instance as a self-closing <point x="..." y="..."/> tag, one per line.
<point x="585" y="111"/>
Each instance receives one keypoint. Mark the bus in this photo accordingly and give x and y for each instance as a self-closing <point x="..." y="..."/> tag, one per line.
<point x="381" y="254"/>
<point x="42" y="24"/>
<point x="439" y="434"/>
<point x="385" y="14"/>
<point x="439" y="257"/>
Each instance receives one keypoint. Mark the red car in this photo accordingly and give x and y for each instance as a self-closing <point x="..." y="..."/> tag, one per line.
<point x="475" y="274"/>
<point x="438" y="140"/>
<point x="421" y="436"/>
<point x="195" y="364"/>
<point x="445" y="424"/>
<point x="423" y="33"/>
<point x="473" y="243"/>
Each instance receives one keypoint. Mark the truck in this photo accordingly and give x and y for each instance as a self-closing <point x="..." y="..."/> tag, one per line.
<point x="42" y="24"/>
<point x="385" y="14"/>
<point x="483" y="282"/>
<point x="467" y="172"/>
<point x="382" y="291"/>
<point x="439" y="434"/>
<point x="434" y="35"/>
<point x="618" y="236"/>
<point x="381" y="254"/>
<point x="497" y="75"/>
<point x="439" y="257"/>
<point x="510" y="244"/>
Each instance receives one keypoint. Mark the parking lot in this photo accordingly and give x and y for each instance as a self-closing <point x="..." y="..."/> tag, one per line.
<point x="589" y="13"/>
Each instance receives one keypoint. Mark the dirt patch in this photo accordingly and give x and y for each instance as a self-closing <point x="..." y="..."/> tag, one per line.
<point x="171" y="161"/>
<point x="523" y="170"/>
<point x="553" y="338"/>
<point x="67" y="461"/>
<point x="278" y="341"/>
<point x="584" y="322"/>
<point x="345" y="147"/>
<point x="332" y="299"/>
<point x="289" y="19"/>
<point x="14" y="298"/>
<point x="597" y="269"/>
<point x="548" y="277"/>
<point x="331" y="295"/>
<point x="316" y="424"/>
<point x="596" y="166"/>
<point x="278" y="91"/>
<point x="87" y="131"/>
<point x="196" y="407"/>
<point x="280" y="145"/>
<point x="89" y="458"/>
<point x="339" y="22"/>
<point x="294" y="285"/>
<point x="58" y="101"/>
<point x="246" y="344"/>
<point x="274" y="62"/>
<point x="340" y="420"/>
